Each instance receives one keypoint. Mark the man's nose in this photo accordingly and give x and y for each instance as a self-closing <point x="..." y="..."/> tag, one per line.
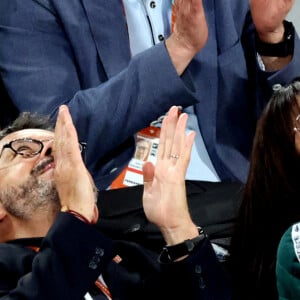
<point x="47" y="150"/>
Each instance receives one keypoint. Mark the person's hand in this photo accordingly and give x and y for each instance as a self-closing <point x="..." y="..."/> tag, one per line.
<point x="164" y="197"/>
<point x="189" y="35"/>
<point x="268" y="16"/>
<point x="74" y="184"/>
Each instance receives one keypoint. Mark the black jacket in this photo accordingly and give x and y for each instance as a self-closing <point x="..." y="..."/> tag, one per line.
<point x="74" y="254"/>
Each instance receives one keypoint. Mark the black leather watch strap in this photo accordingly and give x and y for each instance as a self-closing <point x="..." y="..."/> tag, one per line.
<point x="282" y="49"/>
<point x="171" y="253"/>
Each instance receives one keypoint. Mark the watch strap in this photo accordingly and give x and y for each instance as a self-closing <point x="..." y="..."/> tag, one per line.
<point x="281" y="49"/>
<point x="173" y="252"/>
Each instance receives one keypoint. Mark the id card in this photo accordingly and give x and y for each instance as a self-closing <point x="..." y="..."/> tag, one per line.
<point x="147" y="141"/>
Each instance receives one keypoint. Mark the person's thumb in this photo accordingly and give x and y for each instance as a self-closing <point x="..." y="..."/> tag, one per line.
<point x="148" y="170"/>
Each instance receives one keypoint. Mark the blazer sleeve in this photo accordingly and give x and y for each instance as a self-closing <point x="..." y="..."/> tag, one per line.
<point x="40" y="73"/>
<point x="286" y="74"/>
<point x="201" y="276"/>
<point x="71" y="257"/>
<point x="262" y="83"/>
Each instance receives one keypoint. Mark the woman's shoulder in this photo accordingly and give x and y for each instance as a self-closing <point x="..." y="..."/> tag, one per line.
<point x="288" y="263"/>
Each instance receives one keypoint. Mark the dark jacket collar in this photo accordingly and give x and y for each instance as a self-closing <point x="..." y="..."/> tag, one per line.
<point x="27" y="242"/>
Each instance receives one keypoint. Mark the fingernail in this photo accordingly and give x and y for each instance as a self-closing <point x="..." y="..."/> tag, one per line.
<point x="62" y="107"/>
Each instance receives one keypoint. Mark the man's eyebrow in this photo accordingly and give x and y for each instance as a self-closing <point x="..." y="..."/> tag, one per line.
<point x="39" y="138"/>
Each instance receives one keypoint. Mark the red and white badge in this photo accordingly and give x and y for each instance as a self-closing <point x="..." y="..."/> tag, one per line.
<point x="147" y="141"/>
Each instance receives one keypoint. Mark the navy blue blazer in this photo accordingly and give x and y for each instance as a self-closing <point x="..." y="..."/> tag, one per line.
<point x="77" y="52"/>
<point x="73" y="255"/>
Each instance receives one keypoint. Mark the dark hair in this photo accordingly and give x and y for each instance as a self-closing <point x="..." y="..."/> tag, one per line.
<point x="271" y="197"/>
<point x="28" y="120"/>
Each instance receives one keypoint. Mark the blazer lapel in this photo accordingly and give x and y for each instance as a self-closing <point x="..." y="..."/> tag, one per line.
<point x="108" y="26"/>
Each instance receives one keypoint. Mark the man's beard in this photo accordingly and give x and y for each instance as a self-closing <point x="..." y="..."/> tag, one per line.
<point x="35" y="194"/>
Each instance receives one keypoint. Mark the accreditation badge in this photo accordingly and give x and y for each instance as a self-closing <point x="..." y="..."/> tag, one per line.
<point x="147" y="141"/>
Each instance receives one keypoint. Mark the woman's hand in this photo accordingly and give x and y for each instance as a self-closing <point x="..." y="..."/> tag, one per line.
<point x="164" y="199"/>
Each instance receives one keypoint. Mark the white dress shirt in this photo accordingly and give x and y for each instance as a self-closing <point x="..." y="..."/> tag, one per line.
<point x="148" y="23"/>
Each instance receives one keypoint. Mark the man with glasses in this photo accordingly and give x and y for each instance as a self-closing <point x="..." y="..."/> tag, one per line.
<point x="49" y="248"/>
<point x="27" y="147"/>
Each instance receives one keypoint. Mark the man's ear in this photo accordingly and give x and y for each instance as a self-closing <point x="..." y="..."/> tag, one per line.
<point x="3" y="212"/>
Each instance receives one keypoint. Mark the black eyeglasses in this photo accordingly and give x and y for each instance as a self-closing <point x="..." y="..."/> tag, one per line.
<point x="28" y="148"/>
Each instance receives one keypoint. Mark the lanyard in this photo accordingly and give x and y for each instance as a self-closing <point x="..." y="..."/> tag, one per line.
<point x="173" y="17"/>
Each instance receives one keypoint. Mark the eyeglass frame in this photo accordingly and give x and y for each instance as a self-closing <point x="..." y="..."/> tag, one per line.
<point x="82" y="147"/>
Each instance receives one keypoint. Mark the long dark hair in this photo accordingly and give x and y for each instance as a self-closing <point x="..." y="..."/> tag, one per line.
<point x="271" y="201"/>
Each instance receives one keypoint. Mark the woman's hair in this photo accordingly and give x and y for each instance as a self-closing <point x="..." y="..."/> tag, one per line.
<point x="271" y="200"/>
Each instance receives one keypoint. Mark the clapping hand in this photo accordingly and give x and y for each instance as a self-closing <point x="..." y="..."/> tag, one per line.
<point x="74" y="184"/>
<point x="190" y="33"/>
<point x="164" y="199"/>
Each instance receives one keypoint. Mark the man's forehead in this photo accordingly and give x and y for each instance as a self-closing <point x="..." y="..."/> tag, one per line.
<point x="38" y="134"/>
